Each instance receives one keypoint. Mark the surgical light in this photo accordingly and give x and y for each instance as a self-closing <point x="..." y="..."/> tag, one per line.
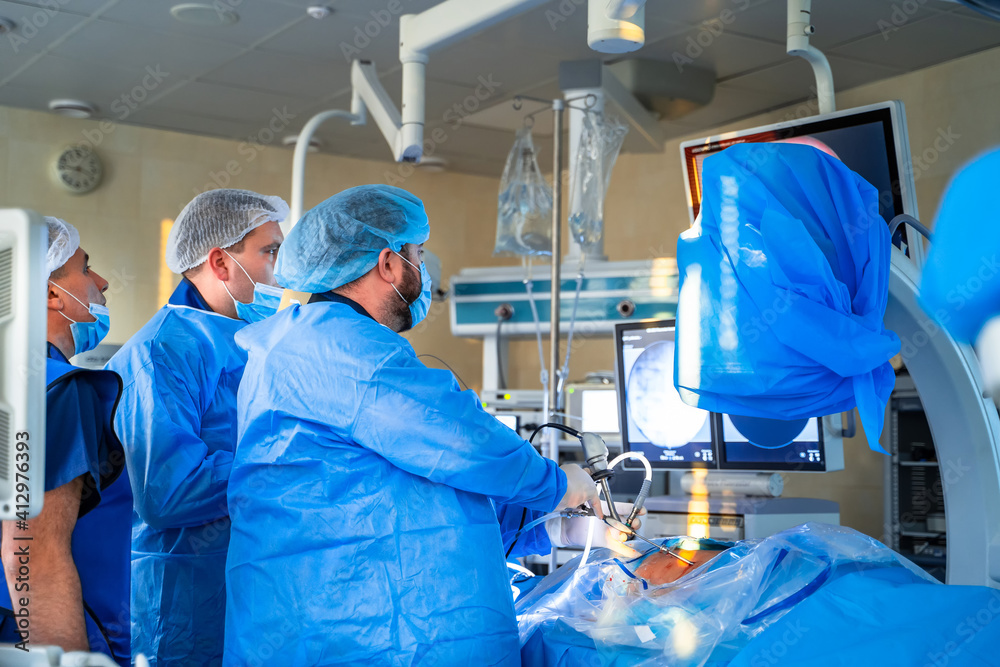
<point x="614" y="28"/>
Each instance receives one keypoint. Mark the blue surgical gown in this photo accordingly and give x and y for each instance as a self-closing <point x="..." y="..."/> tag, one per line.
<point x="178" y="422"/>
<point x="80" y="441"/>
<point x="363" y="528"/>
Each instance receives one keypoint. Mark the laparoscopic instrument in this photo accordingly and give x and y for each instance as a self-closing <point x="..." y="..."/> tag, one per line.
<point x="595" y="453"/>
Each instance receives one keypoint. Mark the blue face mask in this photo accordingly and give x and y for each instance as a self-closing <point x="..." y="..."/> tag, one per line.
<point x="419" y="308"/>
<point x="266" y="299"/>
<point x="88" y="335"/>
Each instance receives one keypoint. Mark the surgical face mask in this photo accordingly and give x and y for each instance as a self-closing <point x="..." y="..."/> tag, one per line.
<point x="88" y="335"/>
<point x="265" y="299"/>
<point x="420" y="306"/>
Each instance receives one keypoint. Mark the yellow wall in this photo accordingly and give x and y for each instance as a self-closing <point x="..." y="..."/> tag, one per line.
<point x="151" y="174"/>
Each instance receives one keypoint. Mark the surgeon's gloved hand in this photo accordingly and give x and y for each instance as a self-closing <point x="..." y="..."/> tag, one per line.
<point x="572" y="531"/>
<point x="580" y="489"/>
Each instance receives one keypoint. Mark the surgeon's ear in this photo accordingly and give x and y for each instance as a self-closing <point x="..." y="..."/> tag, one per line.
<point x="385" y="269"/>
<point x="55" y="301"/>
<point x="216" y="263"/>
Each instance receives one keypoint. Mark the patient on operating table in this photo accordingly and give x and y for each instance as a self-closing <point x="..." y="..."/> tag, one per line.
<point x="657" y="608"/>
<point x="662" y="568"/>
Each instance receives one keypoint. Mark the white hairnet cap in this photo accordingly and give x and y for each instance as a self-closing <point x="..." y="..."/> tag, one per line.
<point x="218" y="219"/>
<point x="64" y="241"/>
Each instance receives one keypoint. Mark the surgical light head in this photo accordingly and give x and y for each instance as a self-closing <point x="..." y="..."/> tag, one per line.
<point x="218" y="219"/>
<point x="340" y="240"/>
<point x="616" y="26"/>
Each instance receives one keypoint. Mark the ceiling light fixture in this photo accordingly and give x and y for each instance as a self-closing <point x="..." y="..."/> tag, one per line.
<point x="318" y="11"/>
<point x="314" y="144"/>
<point x="73" y="108"/>
<point x="204" y="15"/>
<point x="432" y="164"/>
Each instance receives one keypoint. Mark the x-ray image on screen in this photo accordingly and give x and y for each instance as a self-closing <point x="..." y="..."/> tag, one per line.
<point x="656" y="422"/>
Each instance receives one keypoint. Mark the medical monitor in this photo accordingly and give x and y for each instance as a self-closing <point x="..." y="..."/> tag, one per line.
<point x="23" y="244"/>
<point x="871" y="140"/>
<point x="675" y="436"/>
<point x="653" y="419"/>
<point x="766" y="445"/>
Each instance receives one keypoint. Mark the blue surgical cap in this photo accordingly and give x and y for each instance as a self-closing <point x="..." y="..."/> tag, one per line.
<point x="340" y="240"/>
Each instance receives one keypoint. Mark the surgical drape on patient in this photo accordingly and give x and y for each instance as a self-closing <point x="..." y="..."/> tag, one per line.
<point x="784" y="284"/>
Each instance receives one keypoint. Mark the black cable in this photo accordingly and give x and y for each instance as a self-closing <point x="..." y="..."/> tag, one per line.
<point x="502" y="379"/>
<point x="524" y="512"/>
<point x="565" y="429"/>
<point x="457" y="377"/>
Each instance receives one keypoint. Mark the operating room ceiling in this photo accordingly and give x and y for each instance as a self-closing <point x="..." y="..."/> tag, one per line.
<point x="262" y="77"/>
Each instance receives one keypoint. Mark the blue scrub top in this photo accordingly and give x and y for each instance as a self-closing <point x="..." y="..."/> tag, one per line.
<point x="80" y="441"/>
<point x="362" y="524"/>
<point x="178" y="423"/>
<point x="510" y="517"/>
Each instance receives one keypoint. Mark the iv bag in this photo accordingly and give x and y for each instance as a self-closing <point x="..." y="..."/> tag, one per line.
<point x="524" y="206"/>
<point x="600" y="142"/>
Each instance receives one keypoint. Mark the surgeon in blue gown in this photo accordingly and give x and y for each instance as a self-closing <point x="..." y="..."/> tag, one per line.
<point x="78" y="546"/>
<point x="178" y="420"/>
<point x="364" y="490"/>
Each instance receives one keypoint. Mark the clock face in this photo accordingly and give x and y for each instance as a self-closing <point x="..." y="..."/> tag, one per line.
<point x="78" y="169"/>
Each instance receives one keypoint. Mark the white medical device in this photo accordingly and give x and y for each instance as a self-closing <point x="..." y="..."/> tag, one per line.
<point x="23" y="245"/>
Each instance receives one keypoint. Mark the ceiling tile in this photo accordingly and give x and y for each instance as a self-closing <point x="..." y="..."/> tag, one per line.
<point x="180" y="55"/>
<point x="726" y="55"/>
<point x="182" y="121"/>
<point x="341" y="38"/>
<point x="924" y="42"/>
<point x="36" y="30"/>
<point x="239" y="104"/>
<point x="282" y="74"/>
<point x="66" y="77"/>
<point x="694" y="12"/>
<point x="794" y="77"/>
<point x="835" y="21"/>
<point x="79" y="7"/>
<point x="257" y="20"/>
<point x="466" y="61"/>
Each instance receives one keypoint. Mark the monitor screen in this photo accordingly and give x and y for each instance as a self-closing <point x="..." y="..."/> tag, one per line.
<point x="764" y="444"/>
<point x="870" y="141"/>
<point x="510" y="421"/>
<point x="598" y="411"/>
<point x="654" y="420"/>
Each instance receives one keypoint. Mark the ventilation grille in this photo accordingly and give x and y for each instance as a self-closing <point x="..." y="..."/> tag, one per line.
<point x="5" y="438"/>
<point x="6" y="282"/>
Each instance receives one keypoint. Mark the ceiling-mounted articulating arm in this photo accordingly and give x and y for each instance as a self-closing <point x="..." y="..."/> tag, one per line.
<point x="368" y="96"/>
<point x="299" y="159"/>
<point x="420" y="35"/>
<point x="799" y="29"/>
